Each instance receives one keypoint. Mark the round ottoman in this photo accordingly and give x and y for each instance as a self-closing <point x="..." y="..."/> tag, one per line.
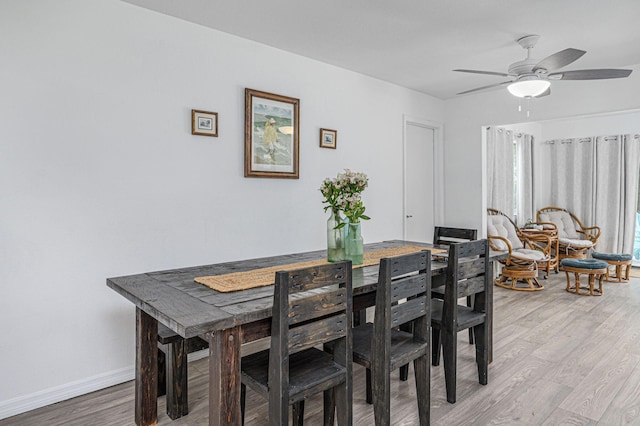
<point x="617" y="260"/>
<point x="592" y="267"/>
<point x="522" y="279"/>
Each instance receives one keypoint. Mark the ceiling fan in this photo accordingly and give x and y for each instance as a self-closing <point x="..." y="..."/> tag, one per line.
<point x="531" y="78"/>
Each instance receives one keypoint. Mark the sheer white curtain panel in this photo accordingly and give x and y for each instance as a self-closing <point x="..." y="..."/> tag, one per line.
<point x="573" y="176"/>
<point x="617" y="169"/>
<point x="500" y="170"/>
<point x="525" y="177"/>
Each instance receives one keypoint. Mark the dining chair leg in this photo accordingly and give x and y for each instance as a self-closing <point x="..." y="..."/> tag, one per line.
<point x="329" y="403"/>
<point x="449" y="351"/>
<point x="404" y="372"/>
<point x="368" y="387"/>
<point x="436" y="346"/>
<point x="382" y="400"/>
<point x="344" y="403"/>
<point x="243" y="397"/>
<point x="482" y="352"/>
<point x="298" y="413"/>
<point x="423" y="389"/>
<point x="162" y="374"/>
<point x="470" y="304"/>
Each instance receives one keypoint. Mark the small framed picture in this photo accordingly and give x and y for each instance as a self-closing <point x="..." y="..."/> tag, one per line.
<point x="204" y="123"/>
<point x="328" y="138"/>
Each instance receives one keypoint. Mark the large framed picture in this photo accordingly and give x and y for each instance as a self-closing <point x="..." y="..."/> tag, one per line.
<point x="328" y="138"/>
<point x="271" y="135"/>
<point x="204" y="123"/>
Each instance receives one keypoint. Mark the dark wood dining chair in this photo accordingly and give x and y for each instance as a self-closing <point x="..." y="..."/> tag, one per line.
<point x="444" y="236"/>
<point x="311" y="306"/>
<point x="468" y="275"/>
<point x="382" y="347"/>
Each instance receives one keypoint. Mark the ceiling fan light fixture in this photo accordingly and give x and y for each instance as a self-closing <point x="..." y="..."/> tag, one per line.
<point x="528" y="88"/>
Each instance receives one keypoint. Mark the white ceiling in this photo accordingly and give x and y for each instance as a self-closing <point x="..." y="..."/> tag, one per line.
<point x="416" y="43"/>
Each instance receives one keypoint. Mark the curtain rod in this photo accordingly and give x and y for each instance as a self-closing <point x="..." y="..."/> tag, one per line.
<point x="501" y="129"/>
<point x="567" y="141"/>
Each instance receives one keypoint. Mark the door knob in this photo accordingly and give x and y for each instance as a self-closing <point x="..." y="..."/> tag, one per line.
<point x="408" y="216"/>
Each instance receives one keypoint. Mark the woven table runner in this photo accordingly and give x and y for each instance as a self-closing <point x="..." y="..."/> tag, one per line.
<point x="266" y="276"/>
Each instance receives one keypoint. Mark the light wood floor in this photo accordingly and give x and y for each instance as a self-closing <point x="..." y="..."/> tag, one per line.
<point x="559" y="359"/>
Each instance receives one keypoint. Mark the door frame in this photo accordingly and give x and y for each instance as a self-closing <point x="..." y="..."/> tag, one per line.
<point x="438" y="168"/>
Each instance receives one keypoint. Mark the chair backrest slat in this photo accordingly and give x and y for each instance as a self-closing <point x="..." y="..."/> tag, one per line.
<point x="315" y="277"/>
<point x="471" y="286"/>
<point x="317" y="305"/>
<point x="443" y="235"/>
<point x="314" y="333"/>
<point x="403" y="265"/>
<point x="408" y="311"/>
<point x="471" y="268"/>
<point x="409" y="286"/>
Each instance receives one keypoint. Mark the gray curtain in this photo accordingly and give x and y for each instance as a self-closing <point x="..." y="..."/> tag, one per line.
<point x="597" y="180"/>
<point x="525" y="178"/>
<point x="500" y="170"/>
<point x="617" y="168"/>
<point x="573" y="175"/>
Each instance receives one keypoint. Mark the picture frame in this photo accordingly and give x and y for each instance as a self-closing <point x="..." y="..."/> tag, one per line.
<point x="328" y="138"/>
<point x="271" y="141"/>
<point x="204" y="123"/>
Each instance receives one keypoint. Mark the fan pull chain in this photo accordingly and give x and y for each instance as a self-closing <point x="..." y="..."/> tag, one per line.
<point x="527" y="105"/>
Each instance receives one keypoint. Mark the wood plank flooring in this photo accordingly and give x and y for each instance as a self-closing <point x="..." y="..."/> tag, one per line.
<point x="559" y="358"/>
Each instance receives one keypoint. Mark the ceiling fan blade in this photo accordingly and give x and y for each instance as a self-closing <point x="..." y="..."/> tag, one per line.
<point x="595" y="74"/>
<point x="559" y="59"/>
<point x="545" y="93"/>
<point x="501" y="74"/>
<point x="477" y="89"/>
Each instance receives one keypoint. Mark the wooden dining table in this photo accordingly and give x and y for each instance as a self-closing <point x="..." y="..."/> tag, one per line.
<point x="225" y="319"/>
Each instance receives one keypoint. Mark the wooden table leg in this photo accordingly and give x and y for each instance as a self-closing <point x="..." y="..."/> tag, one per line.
<point x="224" y="377"/>
<point x="146" y="410"/>
<point x="177" y="390"/>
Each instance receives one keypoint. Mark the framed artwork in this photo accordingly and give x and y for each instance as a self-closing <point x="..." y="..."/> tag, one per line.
<point x="271" y="135"/>
<point x="328" y="138"/>
<point x="204" y="123"/>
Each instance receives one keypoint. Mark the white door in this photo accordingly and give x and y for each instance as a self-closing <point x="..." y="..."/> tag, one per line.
<point x="419" y="191"/>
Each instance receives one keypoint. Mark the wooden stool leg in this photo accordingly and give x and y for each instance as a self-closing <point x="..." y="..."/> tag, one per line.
<point x="577" y="283"/>
<point x="600" y="284"/>
<point x="627" y="274"/>
<point x="568" y="281"/>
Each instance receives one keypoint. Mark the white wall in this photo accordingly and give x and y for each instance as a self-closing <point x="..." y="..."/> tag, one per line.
<point x="466" y="115"/>
<point x="101" y="177"/>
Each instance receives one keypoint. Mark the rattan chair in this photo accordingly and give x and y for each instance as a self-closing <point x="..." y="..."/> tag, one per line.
<point x="574" y="239"/>
<point x="525" y="256"/>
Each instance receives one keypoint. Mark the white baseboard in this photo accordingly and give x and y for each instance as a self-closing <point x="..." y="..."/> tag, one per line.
<point x="22" y="404"/>
<point x="45" y="397"/>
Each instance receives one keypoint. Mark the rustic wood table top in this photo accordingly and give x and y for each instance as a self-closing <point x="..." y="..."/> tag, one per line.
<point x="190" y="309"/>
